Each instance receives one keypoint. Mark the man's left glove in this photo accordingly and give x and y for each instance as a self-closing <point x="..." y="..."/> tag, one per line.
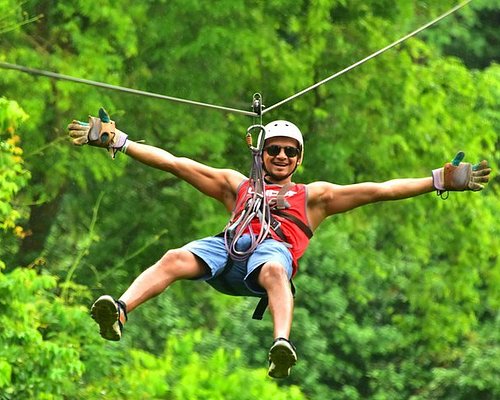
<point x="100" y="132"/>
<point x="459" y="176"/>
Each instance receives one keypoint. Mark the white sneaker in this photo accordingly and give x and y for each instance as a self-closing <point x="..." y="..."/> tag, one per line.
<point x="282" y="357"/>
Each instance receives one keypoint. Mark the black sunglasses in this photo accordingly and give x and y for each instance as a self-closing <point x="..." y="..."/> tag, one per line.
<point x="274" y="150"/>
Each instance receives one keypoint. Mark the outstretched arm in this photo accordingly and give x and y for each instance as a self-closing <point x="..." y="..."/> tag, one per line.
<point x="221" y="184"/>
<point x="325" y="199"/>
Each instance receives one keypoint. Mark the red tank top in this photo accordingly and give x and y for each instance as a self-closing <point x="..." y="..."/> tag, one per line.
<point x="296" y="197"/>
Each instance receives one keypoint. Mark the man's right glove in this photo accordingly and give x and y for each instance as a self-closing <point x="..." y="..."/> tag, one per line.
<point x="459" y="176"/>
<point x="100" y="132"/>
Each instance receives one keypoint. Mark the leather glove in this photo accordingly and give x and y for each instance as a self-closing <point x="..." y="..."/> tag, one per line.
<point x="459" y="176"/>
<point x="99" y="132"/>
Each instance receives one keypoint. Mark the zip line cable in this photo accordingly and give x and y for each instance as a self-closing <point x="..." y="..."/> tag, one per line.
<point x="261" y="111"/>
<point x="366" y="58"/>
<point x="55" y="75"/>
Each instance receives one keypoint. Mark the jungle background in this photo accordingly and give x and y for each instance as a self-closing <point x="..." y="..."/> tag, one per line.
<point x="395" y="300"/>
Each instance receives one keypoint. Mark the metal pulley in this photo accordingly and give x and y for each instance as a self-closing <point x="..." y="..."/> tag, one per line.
<point x="257" y="105"/>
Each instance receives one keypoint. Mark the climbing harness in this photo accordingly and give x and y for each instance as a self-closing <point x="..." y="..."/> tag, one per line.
<point x="256" y="206"/>
<point x="257" y="107"/>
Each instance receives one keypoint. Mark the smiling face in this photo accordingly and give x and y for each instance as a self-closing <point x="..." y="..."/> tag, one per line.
<point x="279" y="168"/>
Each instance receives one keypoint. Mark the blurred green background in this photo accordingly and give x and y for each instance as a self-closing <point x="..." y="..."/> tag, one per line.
<point x="395" y="301"/>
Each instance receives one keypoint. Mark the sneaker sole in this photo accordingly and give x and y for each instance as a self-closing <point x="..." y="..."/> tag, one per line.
<point x="282" y="359"/>
<point x="105" y="313"/>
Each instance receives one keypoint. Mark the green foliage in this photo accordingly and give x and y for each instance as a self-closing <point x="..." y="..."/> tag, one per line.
<point x="13" y="174"/>
<point x="474" y="375"/>
<point x="394" y="300"/>
<point x="40" y="340"/>
<point x="182" y="373"/>
<point x="473" y="36"/>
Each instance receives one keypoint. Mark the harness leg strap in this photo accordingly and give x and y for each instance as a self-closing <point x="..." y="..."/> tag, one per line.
<point x="264" y="302"/>
<point x="261" y="308"/>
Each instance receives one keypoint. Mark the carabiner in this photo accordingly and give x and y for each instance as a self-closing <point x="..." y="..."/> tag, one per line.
<point x="260" y="138"/>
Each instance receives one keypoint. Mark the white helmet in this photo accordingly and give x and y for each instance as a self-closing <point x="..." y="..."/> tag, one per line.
<point x="286" y="129"/>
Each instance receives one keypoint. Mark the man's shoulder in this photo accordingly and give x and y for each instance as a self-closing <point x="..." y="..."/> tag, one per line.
<point x="319" y="185"/>
<point x="322" y="185"/>
<point x="320" y="190"/>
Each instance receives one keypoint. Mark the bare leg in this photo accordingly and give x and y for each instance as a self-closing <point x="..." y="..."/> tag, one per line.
<point x="174" y="265"/>
<point x="273" y="278"/>
<point x="110" y="315"/>
<point x="282" y="355"/>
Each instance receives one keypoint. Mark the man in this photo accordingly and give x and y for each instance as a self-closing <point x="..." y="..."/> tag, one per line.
<point x="240" y="261"/>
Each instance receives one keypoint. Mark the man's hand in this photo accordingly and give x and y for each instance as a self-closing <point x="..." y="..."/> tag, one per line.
<point x="79" y="132"/>
<point x="100" y="132"/>
<point x="459" y="176"/>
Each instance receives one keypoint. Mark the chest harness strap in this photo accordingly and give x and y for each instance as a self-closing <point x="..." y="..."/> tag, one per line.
<point x="278" y="206"/>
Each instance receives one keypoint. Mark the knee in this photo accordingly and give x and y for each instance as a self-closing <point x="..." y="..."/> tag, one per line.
<point x="173" y="259"/>
<point x="272" y="273"/>
<point x="181" y="264"/>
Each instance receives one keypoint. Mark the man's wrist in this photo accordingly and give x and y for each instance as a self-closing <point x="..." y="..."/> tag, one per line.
<point x="438" y="178"/>
<point x="123" y="149"/>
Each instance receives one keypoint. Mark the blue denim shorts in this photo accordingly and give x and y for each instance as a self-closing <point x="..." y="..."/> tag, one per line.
<point x="240" y="278"/>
